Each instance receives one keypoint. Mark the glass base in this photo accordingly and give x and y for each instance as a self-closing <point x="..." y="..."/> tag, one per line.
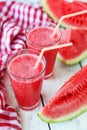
<point x="49" y="75"/>
<point x="31" y="107"/>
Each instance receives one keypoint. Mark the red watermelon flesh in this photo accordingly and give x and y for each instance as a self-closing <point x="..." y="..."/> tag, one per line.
<point x="58" y="8"/>
<point x="78" y="51"/>
<point x="69" y="102"/>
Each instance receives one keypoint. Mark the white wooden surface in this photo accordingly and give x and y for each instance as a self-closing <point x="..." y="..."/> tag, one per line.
<point x="29" y="119"/>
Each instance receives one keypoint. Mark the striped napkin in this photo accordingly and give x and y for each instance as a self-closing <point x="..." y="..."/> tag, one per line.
<point x="15" y="17"/>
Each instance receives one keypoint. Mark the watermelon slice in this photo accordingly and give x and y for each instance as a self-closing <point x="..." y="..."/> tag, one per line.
<point x="76" y="52"/>
<point x="58" y="8"/>
<point x="69" y="102"/>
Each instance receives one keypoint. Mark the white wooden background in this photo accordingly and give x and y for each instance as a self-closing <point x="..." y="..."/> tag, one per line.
<point x="29" y="119"/>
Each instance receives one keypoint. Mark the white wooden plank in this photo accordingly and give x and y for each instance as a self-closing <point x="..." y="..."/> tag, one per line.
<point x="30" y="120"/>
<point x="82" y="120"/>
<point x="84" y="62"/>
<point x="68" y="125"/>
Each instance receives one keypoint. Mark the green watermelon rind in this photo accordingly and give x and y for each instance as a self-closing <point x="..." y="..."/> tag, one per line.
<point x="49" y="12"/>
<point x="47" y="9"/>
<point x="63" y="118"/>
<point x="74" y="60"/>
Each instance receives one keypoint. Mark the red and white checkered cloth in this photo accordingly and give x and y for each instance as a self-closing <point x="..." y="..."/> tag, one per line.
<point x="14" y="19"/>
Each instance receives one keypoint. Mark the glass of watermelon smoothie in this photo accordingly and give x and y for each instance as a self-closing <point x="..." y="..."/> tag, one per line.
<point x="38" y="37"/>
<point x="25" y="79"/>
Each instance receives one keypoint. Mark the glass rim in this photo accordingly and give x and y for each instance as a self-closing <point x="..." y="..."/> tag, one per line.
<point x="29" y="78"/>
<point x="45" y="24"/>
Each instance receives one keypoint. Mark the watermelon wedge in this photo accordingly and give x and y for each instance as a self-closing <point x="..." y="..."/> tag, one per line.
<point x="69" y="102"/>
<point x="78" y="51"/>
<point x="58" y="8"/>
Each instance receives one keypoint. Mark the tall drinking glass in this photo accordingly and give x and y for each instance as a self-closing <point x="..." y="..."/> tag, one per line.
<point x="38" y="37"/>
<point x="25" y="79"/>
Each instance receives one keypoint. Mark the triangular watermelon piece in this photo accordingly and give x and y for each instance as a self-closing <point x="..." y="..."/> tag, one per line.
<point x="69" y="102"/>
<point x="76" y="52"/>
<point x="58" y="8"/>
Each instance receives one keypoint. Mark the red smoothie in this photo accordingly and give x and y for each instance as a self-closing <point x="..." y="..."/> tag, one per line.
<point x="40" y="37"/>
<point x="26" y="80"/>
